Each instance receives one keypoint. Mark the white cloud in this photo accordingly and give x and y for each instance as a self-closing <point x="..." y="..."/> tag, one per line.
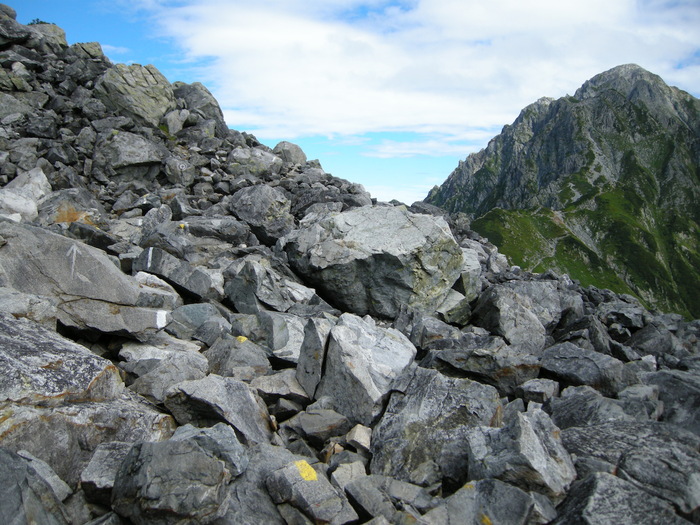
<point x="116" y="50"/>
<point x="293" y="68"/>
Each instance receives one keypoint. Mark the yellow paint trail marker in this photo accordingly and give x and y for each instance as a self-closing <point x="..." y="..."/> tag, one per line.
<point x="306" y="471"/>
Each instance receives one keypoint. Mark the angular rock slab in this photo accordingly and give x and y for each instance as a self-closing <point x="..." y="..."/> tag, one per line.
<point x="372" y="260"/>
<point x="602" y="498"/>
<point x="89" y="289"/>
<point x="40" y="367"/>
<point x="177" y="272"/>
<point x="428" y="418"/>
<point x="526" y="452"/>
<point x="97" y="480"/>
<point x="250" y="502"/>
<point x="486" y="357"/>
<point x="301" y="486"/>
<point x="216" y="398"/>
<point x="577" y="366"/>
<point x="361" y="362"/>
<point x="265" y="209"/>
<point x="25" y="497"/>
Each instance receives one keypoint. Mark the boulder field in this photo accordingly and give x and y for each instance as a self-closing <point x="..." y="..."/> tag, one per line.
<point x="197" y="328"/>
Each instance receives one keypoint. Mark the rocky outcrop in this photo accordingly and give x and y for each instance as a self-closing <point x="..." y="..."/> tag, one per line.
<point x="601" y="185"/>
<point x="196" y="328"/>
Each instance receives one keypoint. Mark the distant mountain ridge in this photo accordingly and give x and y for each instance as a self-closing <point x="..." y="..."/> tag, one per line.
<point x="603" y="185"/>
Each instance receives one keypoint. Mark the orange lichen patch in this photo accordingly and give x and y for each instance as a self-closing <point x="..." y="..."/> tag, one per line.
<point x="68" y="213"/>
<point x="54" y="365"/>
<point x="485" y="520"/>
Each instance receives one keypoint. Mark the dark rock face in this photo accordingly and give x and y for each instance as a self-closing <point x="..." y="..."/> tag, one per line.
<point x="601" y="185"/>
<point x="181" y="338"/>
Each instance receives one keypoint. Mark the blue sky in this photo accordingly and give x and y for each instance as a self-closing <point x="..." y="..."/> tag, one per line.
<point x="387" y="93"/>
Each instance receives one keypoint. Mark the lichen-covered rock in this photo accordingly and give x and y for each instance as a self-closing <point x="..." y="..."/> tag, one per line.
<point x="371" y="260"/>
<point x="142" y="92"/>
<point x="428" y="418"/>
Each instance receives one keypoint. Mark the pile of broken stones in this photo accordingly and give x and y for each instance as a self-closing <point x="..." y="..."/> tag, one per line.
<point x="196" y="328"/>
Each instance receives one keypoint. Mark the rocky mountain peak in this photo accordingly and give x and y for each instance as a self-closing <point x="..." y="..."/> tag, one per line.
<point x="593" y="184"/>
<point x="198" y="328"/>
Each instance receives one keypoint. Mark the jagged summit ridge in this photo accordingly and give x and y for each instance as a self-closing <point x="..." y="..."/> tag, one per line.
<point x="197" y="328"/>
<point x="612" y="171"/>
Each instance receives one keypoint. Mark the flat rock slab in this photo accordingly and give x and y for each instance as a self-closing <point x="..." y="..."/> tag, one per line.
<point x="372" y="260"/>
<point x="661" y="459"/>
<point x="574" y="365"/>
<point x="88" y="288"/>
<point x="680" y="393"/>
<point x="484" y="501"/>
<point x="41" y="367"/>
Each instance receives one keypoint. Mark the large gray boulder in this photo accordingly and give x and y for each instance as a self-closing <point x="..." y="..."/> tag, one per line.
<point x="483" y="501"/>
<point x="680" y="393"/>
<point x="360" y="365"/>
<point x="126" y="156"/>
<point x="97" y="480"/>
<point x="660" y="459"/>
<point x="198" y="99"/>
<point x="526" y="452"/>
<point x="251" y="503"/>
<point x="179" y="273"/>
<point x="62" y="437"/>
<point x="141" y="92"/>
<point x="253" y="285"/>
<point x="506" y="312"/>
<point x="265" y="209"/>
<point x="21" y="196"/>
<point x="11" y="31"/>
<point x="220" y="399"/>
<point x="485" y="357"/>
<point x="574" y="365"/>
<point x="182" y="480"/>
<point x="373" y="260"/>
<point x="428" y="419"/>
